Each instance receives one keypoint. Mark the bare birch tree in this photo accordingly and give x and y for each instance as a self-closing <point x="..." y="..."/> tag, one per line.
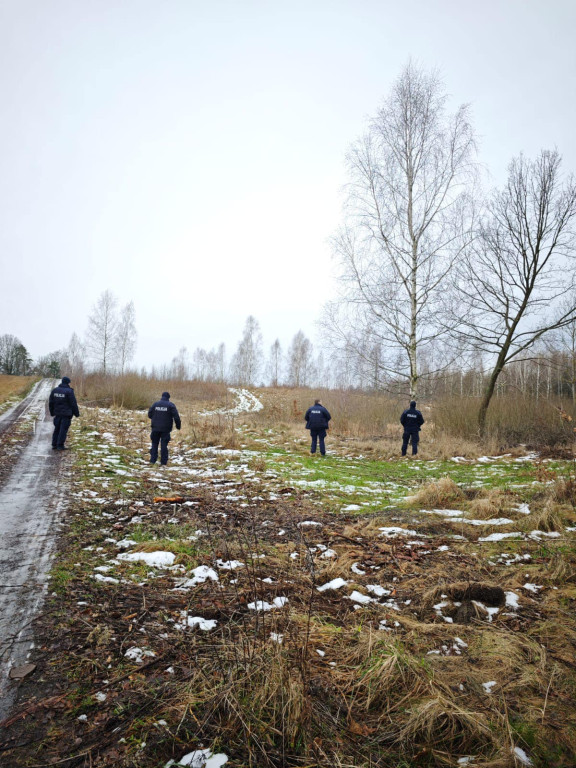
<point x="275" y="363"/>
<point x="101" y="335"/>
<point x="126" y="336"/>
<point x="407" y="221"/>
<point x="300" y="361"/>
<point x="247" y="361"/>
<point x="512" y="281"/>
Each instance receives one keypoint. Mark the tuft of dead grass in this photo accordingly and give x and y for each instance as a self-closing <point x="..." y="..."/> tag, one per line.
<point x="548" y="518"/>
<point x="440" y="494"/>
<point x="488" y="504"/>
<point x="439" y="722"/>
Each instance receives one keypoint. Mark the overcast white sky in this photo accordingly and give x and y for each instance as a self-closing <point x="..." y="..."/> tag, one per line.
<point x="189" y="156"/>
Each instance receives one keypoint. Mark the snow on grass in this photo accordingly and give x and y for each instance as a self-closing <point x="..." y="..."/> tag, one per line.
<point x="153" y="559"/>
<point x="200" y="758"/>
<point x="334" y="584"/>
<point x="377" y="590"/>
<point x="246" y="402"/>
<point x="262" y="605"/>
<point x="138" y="654"/>
<point x="358" y="597"/>
<point x="199" y="575"/>
<point x="501" y="536"/>
<point x="490" y="610"/>
<point x="195" y="621"/>
<point x="306" y="523"/>
<point x="391" y="531"/>
<point x="229" y="565"/>
<point x="532" y="588"/>
<point x="444" y="512"/>
<point x="489" y="686"/>
<point x="520" y="755"/>
<point x="492" y="521"/>
<point x="512" y="600"/>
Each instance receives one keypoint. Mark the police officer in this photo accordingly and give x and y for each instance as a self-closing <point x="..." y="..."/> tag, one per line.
<point x="317" y="418"/>
<point x="62" y="406"/>
<point x="163" y="413"/>
<point x="411" y="420"/>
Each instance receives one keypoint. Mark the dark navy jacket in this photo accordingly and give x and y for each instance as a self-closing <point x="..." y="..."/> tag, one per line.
<point x="317" y="417"/>
<point x="411" y="420"/>
<point x="162" y="413"/>
<point x="62" y="401"/>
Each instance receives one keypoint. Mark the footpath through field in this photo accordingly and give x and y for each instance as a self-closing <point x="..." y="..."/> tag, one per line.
<point x="30" y="501"/>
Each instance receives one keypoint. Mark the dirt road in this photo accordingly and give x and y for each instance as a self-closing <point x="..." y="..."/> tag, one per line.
<point x="30" y="502"/>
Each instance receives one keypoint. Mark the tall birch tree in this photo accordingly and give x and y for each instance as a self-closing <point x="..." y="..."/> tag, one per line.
<point x="407" y="221"/>
<point x="102" y="332"/>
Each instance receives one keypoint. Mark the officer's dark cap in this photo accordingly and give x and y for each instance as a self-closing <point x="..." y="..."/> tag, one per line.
<point x="412" y="403"/>
<point x="166" y="395"/>
<point x="65" y="380"/>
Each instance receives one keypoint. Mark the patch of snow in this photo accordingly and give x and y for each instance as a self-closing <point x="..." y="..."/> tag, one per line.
<point x="351" y="508"/>
<point x="444" y="512"/>
<point x="200" y="758"/>
<point x="377" y="590"/>
<point x="355" y="569"/>
<point x="390" y="532"/>
<point x="519" y="754"/>
<point x="153" y="559"/>
<point x="262" y="605"/>
<point x="334" y="584"/>
<point x="532" y="588"/>
<point x="489" y="685"/>
<point x="200" y="574"/>
<point x="107" y="579"/>
<point x="138" y="654"/>
<point x="229" y="565"/>
<point x="500" y="536"/>
<point x="197" y="621"/>
<point x="543" y="534"/>
<point x="358" y="597"/>
<point x="492" y="521"/>
<point x="307" y="523"/>
<point x="490" y="610"/>
<point x="512" y="600"/>
<point x="328" y="553"/>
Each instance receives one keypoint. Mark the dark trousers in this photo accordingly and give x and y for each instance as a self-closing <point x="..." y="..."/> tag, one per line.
<point x="406" y="437"/>
<point x="163" y="438"/>
<point x="318" y="434"/>
<point x="61" y="427"/>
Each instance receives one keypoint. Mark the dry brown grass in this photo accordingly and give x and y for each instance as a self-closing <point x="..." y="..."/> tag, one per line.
<point x="439" y="494"/>
<point x="490" y="503"/>
<point x="438" y="722"/>
<point x="548" y="518"/>
<point x="14" y="386"/>
<point x="138" y="393"/>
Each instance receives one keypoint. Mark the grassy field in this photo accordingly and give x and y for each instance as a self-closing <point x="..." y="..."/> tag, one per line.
<point x="13" y="388"/>
<point x="277" y="609"/>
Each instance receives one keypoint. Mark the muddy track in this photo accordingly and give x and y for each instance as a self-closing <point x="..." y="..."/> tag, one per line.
<point x="30" y="502"/>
